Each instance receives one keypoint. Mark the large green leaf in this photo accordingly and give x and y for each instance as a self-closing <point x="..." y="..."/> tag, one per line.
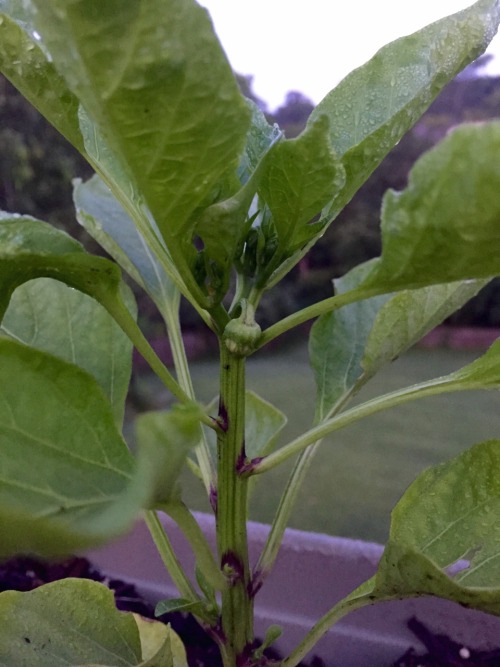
<point x="75" y="622"/>
<point x="62" y="459"/>
<point x="48" y="315"/>
<point x="445" y="225"/>
<point x="409" y="315"/>
<point x="166" y="102"/>
<point x="373" y="107"/>
<point x="25" y="64"/>
<point x="445" y="536"/>
<point x="69" y="622"/>
<point x="32" y="249"/>
<point x="67" y="479"/>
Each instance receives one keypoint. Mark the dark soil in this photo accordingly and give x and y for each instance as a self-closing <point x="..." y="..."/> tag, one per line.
<point x="25" y="574"/>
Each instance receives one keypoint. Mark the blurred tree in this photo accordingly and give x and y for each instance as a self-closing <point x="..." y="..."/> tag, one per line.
<point x="36" y="163"/>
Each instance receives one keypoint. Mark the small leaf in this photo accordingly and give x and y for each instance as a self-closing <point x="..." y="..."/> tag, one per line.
<point x="68" y="622"/>
<point x="161" y="646"/>
<point x="374" y="106"/>
<point x="263" y="424"/>
<point x="261" y="136"/>
<point x="48" y="315"/>
<point x="444" y="226"/>
<point x="300" y="176"/>
<point x="177" y="604"/>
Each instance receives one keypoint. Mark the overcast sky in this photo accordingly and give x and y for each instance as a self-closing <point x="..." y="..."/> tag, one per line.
<point x="311" y="45"/>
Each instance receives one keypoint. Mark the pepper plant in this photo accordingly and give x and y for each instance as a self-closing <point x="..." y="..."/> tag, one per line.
<point x="196" y="195"/>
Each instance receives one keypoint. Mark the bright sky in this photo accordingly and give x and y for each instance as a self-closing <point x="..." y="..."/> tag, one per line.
<point x="310" y="46"/>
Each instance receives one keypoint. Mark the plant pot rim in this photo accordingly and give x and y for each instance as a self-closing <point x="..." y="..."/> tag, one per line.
<point x="312" y="572"/>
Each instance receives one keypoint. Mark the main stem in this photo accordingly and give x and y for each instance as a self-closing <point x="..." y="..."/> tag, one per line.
<point x="237" y="604"/>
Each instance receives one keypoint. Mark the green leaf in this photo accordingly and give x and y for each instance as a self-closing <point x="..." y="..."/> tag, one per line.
<point x="166" y="438"/>
<point x="109" y="224"/>
<point x="409" y="315"/>
<point x="157" y="101"/>
<point x="263" y="424"/>
<point x="444" y="226"/>
<point x="161" y="646"/>
<point x="337" y="345"/>
<point x="374" y="106"/>
<point x="31" y="249"/>
<point x="68" y="622"/>
<point x="445" y="537"/>
<point x="62" y="461"/>
<point x="300" y="177"/>
<point x="261" y="136"/>
<point x="177" y="604"/>
<point x="25" y="64"/>
<point x="48" y="315"/>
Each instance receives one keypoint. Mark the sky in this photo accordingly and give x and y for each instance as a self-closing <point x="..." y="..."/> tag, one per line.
<point x="310" y="46"/>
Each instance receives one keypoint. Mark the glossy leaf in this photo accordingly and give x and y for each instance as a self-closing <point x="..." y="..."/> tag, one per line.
<point x="48" y="315"/>
<point x="373" y="107"/>
<point x="68" y="622"/>
<point x="109" y="224"/>
<point x="444" y="226"/>
<point x="166" y="439"/>
<point x="157" y="101"/>
<point x="445" y="537"/>
<point x="337" y="344"/>
<point x="300" y="177"/>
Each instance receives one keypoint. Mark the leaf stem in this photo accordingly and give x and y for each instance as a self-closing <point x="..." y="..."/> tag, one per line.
<point x="341" y="609"/>
<point x="122" y="316"/>
<point x="172" y="564"/>
<point x="171" y="317"/>
<point x="317" y="309"/>
<point x="429" y="388"/>
<point x="204" y="557"/>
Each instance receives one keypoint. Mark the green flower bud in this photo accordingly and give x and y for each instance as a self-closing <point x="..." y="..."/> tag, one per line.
<point x="242" y="334"/>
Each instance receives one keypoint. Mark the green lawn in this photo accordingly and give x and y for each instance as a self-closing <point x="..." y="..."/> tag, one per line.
<point x="358" y="474"/>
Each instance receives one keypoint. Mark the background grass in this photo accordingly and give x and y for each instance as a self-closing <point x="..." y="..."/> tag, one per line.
<point x="359" y="473"/>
